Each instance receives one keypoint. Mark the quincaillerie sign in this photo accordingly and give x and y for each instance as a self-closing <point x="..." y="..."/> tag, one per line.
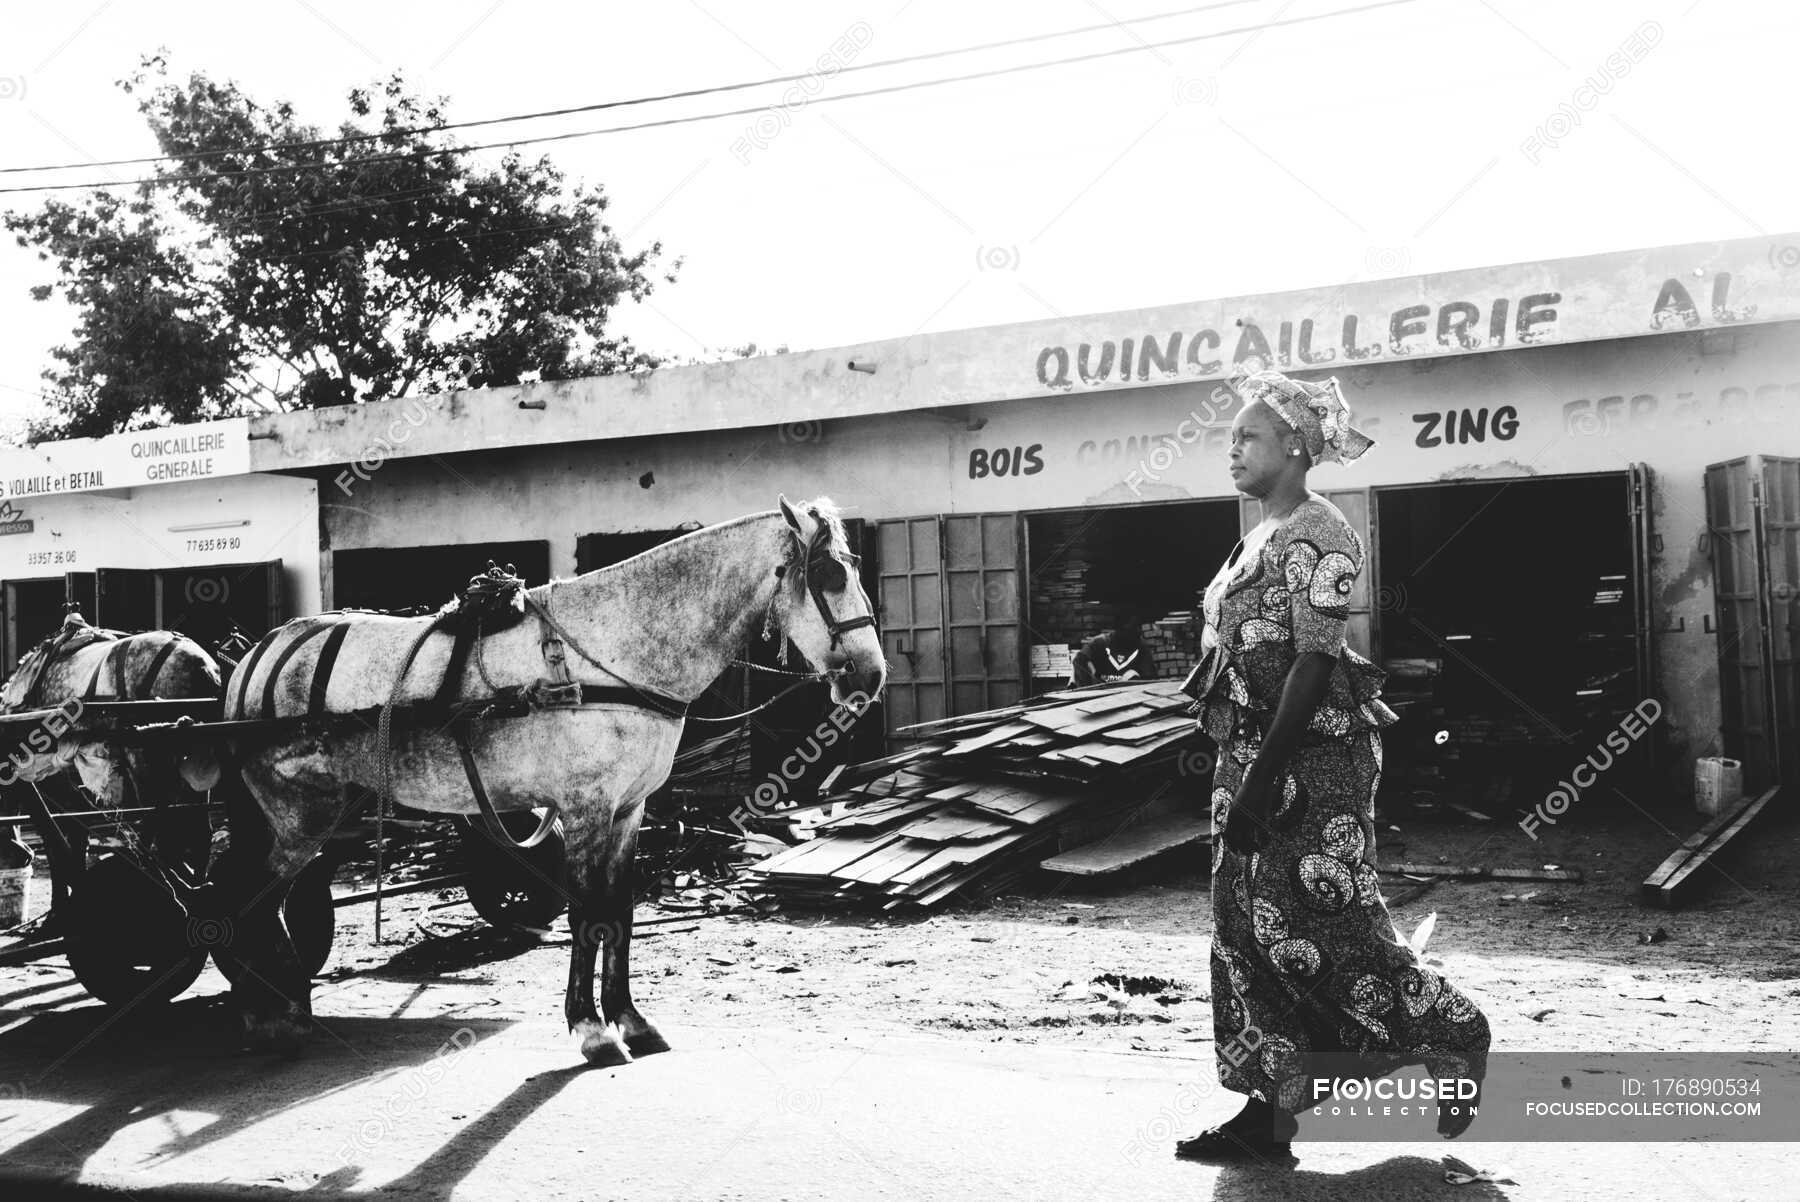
<point x="201" y="451"/>
<point x="1573" y="300"/>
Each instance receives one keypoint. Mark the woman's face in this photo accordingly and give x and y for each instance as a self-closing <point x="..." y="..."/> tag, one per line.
<point x="1259" y="450"/>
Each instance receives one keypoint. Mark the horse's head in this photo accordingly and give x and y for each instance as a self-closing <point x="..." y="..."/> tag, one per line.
<point x="823" y="608"/>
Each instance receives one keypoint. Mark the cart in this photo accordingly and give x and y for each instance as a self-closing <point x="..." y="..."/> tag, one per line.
<point x="134" y="903"/>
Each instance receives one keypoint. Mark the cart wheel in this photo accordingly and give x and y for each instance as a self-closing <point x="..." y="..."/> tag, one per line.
<point x="311" y="922"/>
<point x="510" y="887"/>
<point x="128" y="940"/>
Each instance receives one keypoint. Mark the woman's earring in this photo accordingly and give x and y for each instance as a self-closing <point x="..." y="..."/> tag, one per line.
<point x="1293" y="453"/>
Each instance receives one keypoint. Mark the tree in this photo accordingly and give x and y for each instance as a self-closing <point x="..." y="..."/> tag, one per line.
<point x="269" y="266"/>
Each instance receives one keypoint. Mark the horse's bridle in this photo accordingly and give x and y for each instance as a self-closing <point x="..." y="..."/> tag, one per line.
<point x="820" y="570"/>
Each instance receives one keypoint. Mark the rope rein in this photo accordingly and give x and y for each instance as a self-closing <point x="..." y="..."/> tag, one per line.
<point x="543" y="607"/>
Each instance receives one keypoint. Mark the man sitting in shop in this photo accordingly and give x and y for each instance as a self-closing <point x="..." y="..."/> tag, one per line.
<point x="1117" y="654"/>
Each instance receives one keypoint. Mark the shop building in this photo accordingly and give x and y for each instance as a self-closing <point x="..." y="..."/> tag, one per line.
<point x="1585" y="493"/>
<point x="156" y="528"/>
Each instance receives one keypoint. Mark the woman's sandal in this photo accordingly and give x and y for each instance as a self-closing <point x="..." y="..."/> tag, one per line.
<point x="1221" y="1144"/>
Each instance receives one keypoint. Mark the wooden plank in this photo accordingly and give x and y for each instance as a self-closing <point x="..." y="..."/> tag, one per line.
<point x="847" y="776"/>
<point x="879" y="868"/>
<point x="1477" y="871"/>
<point x="1049" y="807"/>
<point x="1139" y="732"/>
<point x="890" y="816"/>
<point x="1690" y="845"/>
<point x="1055" y="719"/>
<point x="945" y="827"/>
<point x="1132" y="845"/>
<point x="1456" y="870"/>
<point x="1681" y="883"/>
<point x="1157" y="745"/>
<point x="1008" y="799"/>
<point x="998" y="734"/>
<point x="821" y="857"/>
<point x="1165" y="702"/>
<point x="1535" y="874"/>
<point x="1107" y="702"/>
<point x="956" y="853"/>
<point x="960" y="789"/>
<point x="1106" y="721"/>
<point x="960" y="721"/>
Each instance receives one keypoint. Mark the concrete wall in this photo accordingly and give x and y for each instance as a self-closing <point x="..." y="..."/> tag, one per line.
<point x="1106" y="356"/>
<point x="250" y="519"/>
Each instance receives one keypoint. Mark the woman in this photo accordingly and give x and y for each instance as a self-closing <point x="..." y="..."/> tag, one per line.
<point x="1305" y="957"/>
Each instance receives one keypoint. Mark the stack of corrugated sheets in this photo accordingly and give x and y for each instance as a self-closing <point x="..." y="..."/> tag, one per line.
<point x="982" y="798"/>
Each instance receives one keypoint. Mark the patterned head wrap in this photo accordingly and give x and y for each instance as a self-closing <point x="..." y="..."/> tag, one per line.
<point x="1317" y="412"/>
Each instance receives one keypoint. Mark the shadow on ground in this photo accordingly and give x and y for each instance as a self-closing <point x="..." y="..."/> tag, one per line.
<point x="103" y="1071"/>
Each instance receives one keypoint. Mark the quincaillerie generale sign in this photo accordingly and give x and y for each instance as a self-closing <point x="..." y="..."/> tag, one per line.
<point x="1618" y="295"/>
<point x="202" y="451"/>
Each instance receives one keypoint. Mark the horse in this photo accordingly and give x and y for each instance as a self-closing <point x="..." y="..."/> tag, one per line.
<point x="80" y="664"/>
<point x="639" y="640"/>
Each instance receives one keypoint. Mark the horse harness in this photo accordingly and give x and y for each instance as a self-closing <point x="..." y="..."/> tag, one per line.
<point x="821" y="570"/>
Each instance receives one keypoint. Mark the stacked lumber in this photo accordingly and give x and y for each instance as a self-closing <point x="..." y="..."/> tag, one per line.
<point x="981" y="799"/>
<point x="718" y="767"/>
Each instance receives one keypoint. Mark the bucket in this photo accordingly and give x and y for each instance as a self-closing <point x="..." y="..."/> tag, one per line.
<point x="1718" y="784"/>
<point x="12" y="895"/>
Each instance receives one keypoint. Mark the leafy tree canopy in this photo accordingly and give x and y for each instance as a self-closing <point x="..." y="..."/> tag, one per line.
<point x="264" y="270"/>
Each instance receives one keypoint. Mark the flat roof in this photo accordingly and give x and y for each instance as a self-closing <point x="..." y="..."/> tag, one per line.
<point x="1616" y="294"/>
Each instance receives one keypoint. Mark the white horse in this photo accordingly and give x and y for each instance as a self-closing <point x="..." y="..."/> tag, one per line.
<point x="642" y="637"/>
<point x="81" y="664"/>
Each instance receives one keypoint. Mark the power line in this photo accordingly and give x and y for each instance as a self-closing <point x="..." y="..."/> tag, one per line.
<point x="614" y="104"/>
<point x="992" y="73"/>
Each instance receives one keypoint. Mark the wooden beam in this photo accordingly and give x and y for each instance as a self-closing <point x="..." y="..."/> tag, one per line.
<point x="1132" y="845"/>
<point x="1673" y="883"/>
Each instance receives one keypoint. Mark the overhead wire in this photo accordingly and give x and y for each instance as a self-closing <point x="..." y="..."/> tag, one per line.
<point x="845" y="69"/>
<point x="540" y="139"/>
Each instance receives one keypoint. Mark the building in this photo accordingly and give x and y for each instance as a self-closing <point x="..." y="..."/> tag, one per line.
<point x="1585" y="494"/>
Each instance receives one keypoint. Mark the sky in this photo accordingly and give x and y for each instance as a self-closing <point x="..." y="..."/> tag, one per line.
<point x="1346" y="140"/>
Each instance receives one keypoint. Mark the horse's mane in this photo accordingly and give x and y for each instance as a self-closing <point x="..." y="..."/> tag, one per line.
<point x="837" y="541"/>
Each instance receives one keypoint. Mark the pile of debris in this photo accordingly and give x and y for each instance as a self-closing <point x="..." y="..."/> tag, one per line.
<point x="1117" y="771"/>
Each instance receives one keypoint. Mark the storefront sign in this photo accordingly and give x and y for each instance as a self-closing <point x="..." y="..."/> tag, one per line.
<point x="13" y="521"/>
<point x="203" y="451"/>
<point x="1455" y="313"/>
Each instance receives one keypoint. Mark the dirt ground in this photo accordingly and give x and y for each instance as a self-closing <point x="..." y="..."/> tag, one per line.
<point x="1558" y="966"/>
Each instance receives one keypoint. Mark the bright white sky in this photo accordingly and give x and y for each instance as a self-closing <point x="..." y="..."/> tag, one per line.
<point x="1378" y="143"/>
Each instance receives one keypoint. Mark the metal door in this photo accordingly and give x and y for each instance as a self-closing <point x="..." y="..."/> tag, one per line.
<point x="1781" y="572"/>
<point x="982" y="586"/>
<point x="1753" y="519"/>
<point x="1643" y="541"/>
<point x="911" y="620"/>
<point x="1362" y="631"/>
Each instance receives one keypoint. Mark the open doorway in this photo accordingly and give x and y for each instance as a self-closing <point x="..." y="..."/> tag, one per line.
<point x="1091" y="569"/>
<point x="397" y="578"/>
<point x="1510" y="631"/>
<point x="34" y="609"/>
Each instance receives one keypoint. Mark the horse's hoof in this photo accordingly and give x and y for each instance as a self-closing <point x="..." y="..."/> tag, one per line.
<point x="647" y="1043"/>
<point x="601" y="1045"/>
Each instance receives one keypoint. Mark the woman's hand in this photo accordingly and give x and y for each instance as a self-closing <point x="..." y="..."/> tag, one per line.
<point x="1247" y="821"/>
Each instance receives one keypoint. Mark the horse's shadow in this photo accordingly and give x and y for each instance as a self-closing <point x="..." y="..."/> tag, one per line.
<point x="477" y="945"/>
<point x="120" y="1069"/>
<point x="1395" y="1179"/>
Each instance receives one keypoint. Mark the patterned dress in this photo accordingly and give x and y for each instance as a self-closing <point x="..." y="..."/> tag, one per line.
<point x="1305" y="956"/>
